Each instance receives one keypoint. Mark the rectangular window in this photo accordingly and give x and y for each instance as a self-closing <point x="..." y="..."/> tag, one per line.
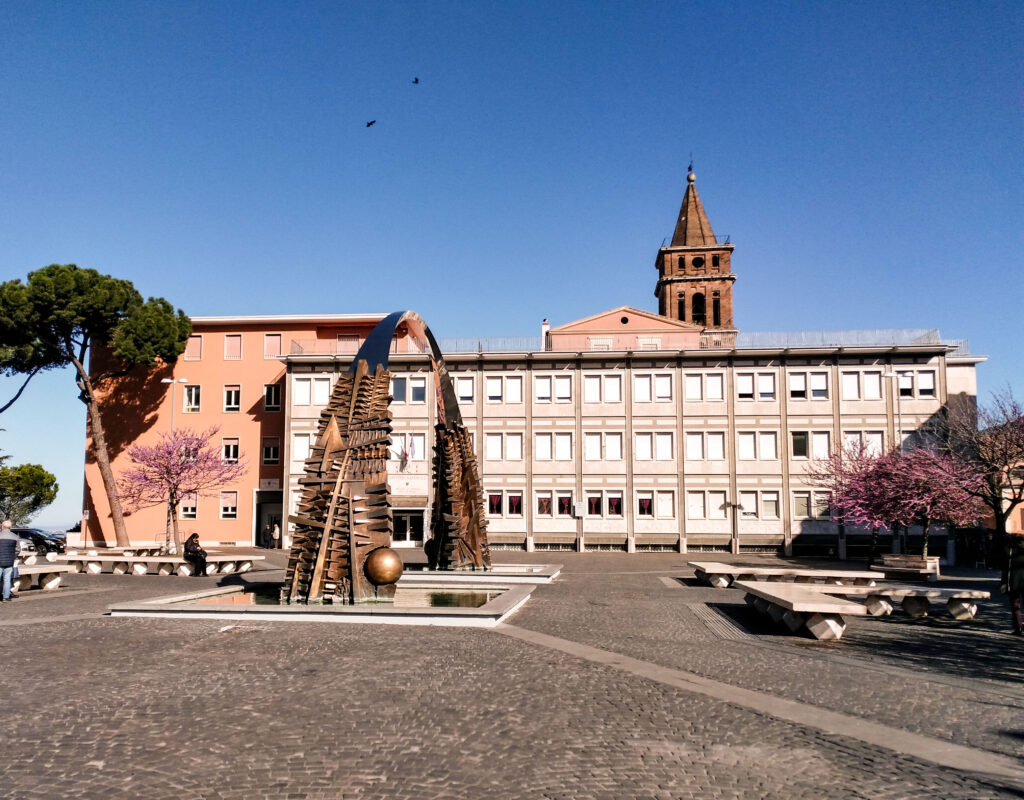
<point x="645" y="504"/>
<point x="798" y="386"/>
<point x="563" y="446"/>
<point x="820" y="445"/>
<point x="594" y="504"/>
<point x="514" y="389"/>
<point x="271" y="397"/>
<point x="695" y="505"/>
<point x="232" y="346"/>
<point x="746" y="446"/>
<point x="513" y="447"/>
<point x="716" y="505"/>
<point x="229" y="505"/>
<point x="716" y="446"/>
<point x="544" y="508"/>
<point x="514" y="504"/>
<point x="493" y="386"/>
<point x="906" y="384"/>
<point x="872" y="385"/>
<point x="190" y="399"/>
<point x="822" y="505"/>
<point x="347" y="344"/>
<point x="613" y="389"/>
<point x="748" y="505"/>
<point x="302" y="389"/>
<point x="600" y="342"/>
<point x="592" y="446"/>
<point x="232" y="398"/>
<point x="591" y="388"/>
<point x="644" y="447"/>
<point x="464" y="389"/>
<point x="768" y="445"/>
<point x="770" y="505"/>
<point x="187" y="508"/>
<point x="271" y="345"/>
<point x="563" y="389"/>
<point x="801" y="444"/>
<point x="694" y="446"/>
<point x="614" y="502"/>
<point x="492" y="446"/>
<point x="819" y="386"/>
<point x="802" y="505"/>
<point x="271" y="450"/>
<point x="613" y="446"/>
<point x="416" y="446"/>
<point x="542" y="446"/>
<point x="663" y="388"/>
<point x="851" y="441"/>
<point x="850" y="386"/>
<point x="494" y="504"/>
<point x="926" y="384"/>
<point x="663" y="446"/>
<point x="745" y="386"/>
<point x="194" y="350"/>
<point x="874" y="442"/>
<point x="229" y="449"/>
<point x="715" y="386"/>
<point x="398" y="390"/>
<point x="542" y="385"/>
<point x="665" y="505"/>
<point x="563" y="504"/>
<point x="300" y="447"/>
<point x="321" y="391"/>
<point x="766" y="386"/>
<point x="648" y="342"/>
<point x="642" y="388"/>
<point x="417" y="390"/>
<point x="693" y="387"/>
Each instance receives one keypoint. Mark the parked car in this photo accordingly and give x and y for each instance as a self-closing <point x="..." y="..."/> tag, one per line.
<point x="34" y="540"/>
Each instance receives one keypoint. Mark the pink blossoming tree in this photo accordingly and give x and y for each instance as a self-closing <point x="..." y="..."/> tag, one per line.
<point x="182" y="464"/>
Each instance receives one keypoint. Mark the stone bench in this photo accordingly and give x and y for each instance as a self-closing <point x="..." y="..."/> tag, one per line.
<point x="916" y="601"/>
<point x="45" y="575"/>
<point x="923" y="566"/>
<point x="799" y="606"/>
<point x="721" y="575"/>
<point x="160" y="565"/>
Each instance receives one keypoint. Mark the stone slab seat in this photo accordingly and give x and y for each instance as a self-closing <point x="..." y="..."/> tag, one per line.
<point x="909" y="565"/>
<point x="157" y="564"/>
<point x="916" y="600"/>
<point x="799" y="606"/>
<point x="721" y="575"/>
<point x="45" y="575"/>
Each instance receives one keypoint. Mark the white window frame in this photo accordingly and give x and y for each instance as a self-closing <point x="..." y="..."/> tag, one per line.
<point x="273" y="460"/>
<point x="543" y="389"/>
<point x="268" y="389"/>
<point x="236" y="406"/>
<point x="227" y="511"/>
<point x="191" y="398"/>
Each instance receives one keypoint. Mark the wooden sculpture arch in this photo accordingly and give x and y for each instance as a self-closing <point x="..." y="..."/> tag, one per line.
<point x="344" y="514"/>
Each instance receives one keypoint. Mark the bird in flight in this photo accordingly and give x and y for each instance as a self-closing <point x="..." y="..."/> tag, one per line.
<point x="415" y="80"/>
<point x="371" y="122"/>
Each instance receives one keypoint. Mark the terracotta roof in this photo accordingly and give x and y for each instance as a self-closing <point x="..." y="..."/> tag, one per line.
<point x="692" y="228"/>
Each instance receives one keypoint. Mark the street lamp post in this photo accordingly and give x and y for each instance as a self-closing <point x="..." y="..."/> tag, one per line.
<point x="898" y="542"/>
<point x="167" y="531"/>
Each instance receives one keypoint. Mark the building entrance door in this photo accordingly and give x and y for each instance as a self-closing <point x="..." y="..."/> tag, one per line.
<point x="269" y="512"/>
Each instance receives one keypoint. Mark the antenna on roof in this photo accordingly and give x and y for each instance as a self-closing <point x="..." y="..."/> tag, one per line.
<point x="690" y="168"/>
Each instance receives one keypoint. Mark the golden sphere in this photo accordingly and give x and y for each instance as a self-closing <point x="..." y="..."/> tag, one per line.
<point x="383" y="566"/>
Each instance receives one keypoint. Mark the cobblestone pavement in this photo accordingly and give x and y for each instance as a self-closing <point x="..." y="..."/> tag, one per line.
<point x="119" y="707"/>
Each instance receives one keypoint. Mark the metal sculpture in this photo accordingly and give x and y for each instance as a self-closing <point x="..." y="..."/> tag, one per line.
<point x="343" y="525"/>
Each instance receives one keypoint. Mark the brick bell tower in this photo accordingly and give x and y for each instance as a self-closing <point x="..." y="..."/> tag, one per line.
<point x="694" y="274"/>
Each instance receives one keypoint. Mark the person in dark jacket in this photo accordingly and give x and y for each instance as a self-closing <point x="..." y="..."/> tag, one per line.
<point x="1013" y="578"/>
<point x="10" y="546"/>
<point x="196" y="556"/>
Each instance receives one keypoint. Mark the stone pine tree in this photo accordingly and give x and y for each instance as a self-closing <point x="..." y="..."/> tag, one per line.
<point x="179" y="465"/>
<point x="61" y="315"/>
<point x="25" y="490"/>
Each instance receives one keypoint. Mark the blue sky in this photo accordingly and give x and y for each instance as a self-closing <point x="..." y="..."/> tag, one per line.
<point x="865" y="158"/>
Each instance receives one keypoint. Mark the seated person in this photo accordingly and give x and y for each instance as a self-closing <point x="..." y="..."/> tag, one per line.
<point x="196" y="556"/>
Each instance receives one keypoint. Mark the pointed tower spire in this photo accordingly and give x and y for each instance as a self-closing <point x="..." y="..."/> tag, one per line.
<point x="692" y="228"/>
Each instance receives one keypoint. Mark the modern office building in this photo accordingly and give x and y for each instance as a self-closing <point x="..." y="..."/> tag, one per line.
<point x="627" y="430"/>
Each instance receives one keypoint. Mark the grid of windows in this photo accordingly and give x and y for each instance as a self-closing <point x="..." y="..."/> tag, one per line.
<point x="409" y="389"/>
<point x="704" y="386"/>
<point x="872" y="442"/>
<point x="656" y="388"/>
<point x="811" y="444"/>
<point x="408" y="447"/>
<point x="708" y="504"/>
<point x="508" y="503"/>
<point x="811" y="505"/>
<point x="808" y="385"/>
<point x="553" y="388"/>
<point x="861" y="385"/>
<point x="701" y="445"/>
<point x="503" y="388"/>
<point x="759" y="505"/>
<point x="507" y="446"/>
<point x="759" y="445"/>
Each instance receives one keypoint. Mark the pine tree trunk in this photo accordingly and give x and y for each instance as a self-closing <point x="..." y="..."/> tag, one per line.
<point x="99" y="446"/>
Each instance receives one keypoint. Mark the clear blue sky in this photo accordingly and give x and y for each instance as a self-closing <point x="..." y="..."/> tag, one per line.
<point x="865" y="158"/>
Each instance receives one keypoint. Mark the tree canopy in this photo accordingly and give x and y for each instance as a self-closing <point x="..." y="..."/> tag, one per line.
<point x="25" y="490"/>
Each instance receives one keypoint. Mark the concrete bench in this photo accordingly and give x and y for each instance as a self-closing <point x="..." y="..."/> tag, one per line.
<point x="36" y="558"/>
<point x="922" y="566"/>
<point x="160" y="565"/>
<point x="45" y="575"/>
<point x="799" y="606"/>
<point x="916" y="601"/>
<point x="721" y="575"/>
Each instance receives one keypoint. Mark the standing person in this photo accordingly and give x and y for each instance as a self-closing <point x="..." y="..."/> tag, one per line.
<point x="1013" y="578"/>
<point x="275" y="536"/>
<point x="196" y="556"/>
<point x="10" y="546"/>
<point x="265" y="539"/>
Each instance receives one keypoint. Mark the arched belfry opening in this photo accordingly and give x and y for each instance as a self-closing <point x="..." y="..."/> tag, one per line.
<point x="343" y="524"/>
